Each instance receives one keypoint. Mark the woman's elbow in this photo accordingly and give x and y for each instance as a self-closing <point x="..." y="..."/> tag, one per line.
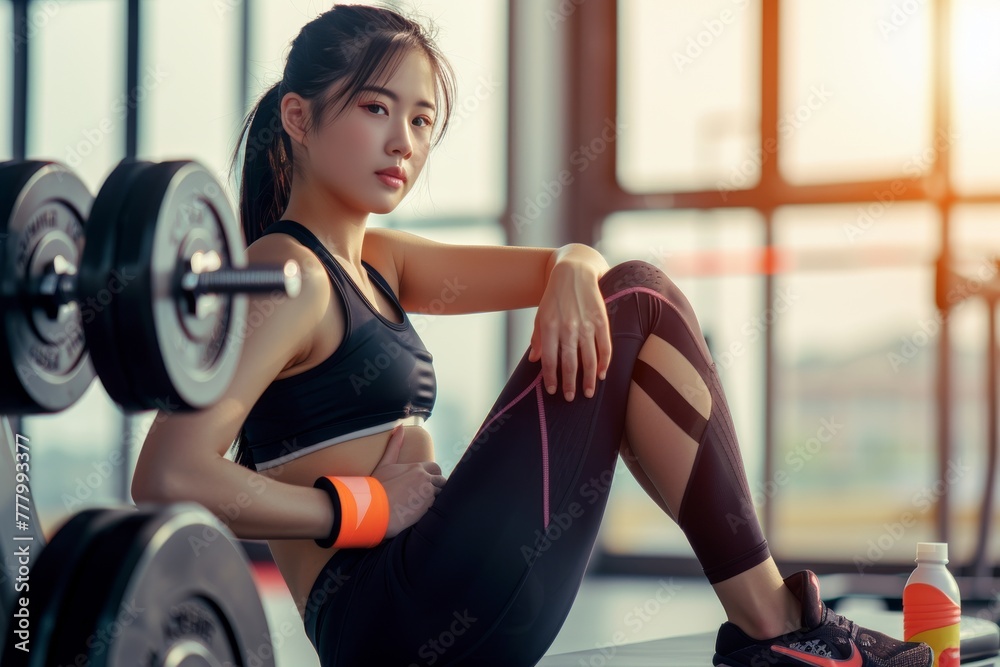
<point x="156" y="486"/>
<point x="148" y="488"/>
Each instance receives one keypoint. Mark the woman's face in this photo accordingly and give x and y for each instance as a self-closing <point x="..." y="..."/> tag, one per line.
<point x="385" y="128"/>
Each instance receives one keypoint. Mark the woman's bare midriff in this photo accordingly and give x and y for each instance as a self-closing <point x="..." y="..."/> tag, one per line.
<point x="300" y="561"/>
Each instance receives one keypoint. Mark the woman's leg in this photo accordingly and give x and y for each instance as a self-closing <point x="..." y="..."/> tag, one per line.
<point x="489" y="574"/>
<point x="674" y="389"/>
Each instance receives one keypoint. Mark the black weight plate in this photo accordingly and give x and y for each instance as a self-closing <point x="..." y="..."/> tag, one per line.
<point x="21" y="541"/>
<point x="54" y="576"/>
<point x="44" y="365"/>
<point x="174" y="360"/>
<point x="199" y="353"/>
<point x="101" y="281"/>
<point x="165" y="586"/>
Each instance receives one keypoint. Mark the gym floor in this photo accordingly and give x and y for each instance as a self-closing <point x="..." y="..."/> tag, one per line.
<point x="609" y="612"/>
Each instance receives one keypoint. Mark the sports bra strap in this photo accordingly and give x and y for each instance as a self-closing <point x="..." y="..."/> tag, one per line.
<point x="296" y="229"/>
<point x="301" y="233"/>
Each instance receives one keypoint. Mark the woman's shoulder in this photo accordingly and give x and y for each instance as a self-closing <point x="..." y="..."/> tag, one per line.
<point x="314" y="296"/>
<point x="279" y="248"/>
<point x="381" y="252"/>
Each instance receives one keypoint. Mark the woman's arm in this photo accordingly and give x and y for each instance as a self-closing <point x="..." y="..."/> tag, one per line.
<point x="451" y="279"/>
<point x="182" y="457"/>
<point x="445" y="279"/>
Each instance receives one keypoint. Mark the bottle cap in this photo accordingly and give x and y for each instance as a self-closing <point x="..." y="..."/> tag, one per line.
<point x="932" y="551"/>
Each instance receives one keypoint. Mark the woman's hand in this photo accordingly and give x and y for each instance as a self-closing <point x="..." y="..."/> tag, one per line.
<point x="572" y="322"/>
<point x="411" y="487"/>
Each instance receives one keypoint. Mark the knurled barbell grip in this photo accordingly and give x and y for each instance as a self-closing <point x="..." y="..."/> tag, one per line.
<point x="286" y="278"/>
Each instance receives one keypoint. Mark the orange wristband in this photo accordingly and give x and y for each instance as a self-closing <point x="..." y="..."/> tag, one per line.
<point x="364" y="510"/>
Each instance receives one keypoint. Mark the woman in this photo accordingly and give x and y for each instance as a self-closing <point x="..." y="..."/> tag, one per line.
<point x="388" y="563"/>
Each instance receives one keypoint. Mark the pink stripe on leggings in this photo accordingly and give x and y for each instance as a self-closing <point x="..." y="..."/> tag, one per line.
<point x="545" y="455"/>
<point x="537" y="385"/>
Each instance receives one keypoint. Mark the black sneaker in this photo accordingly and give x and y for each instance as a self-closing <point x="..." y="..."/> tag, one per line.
<point x="826" y="639"/>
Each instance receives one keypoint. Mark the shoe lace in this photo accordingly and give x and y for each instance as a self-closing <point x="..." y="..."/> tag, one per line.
<point x="846" y="624"/>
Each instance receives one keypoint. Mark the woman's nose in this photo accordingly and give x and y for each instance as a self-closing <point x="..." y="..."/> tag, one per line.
<point x="401" y="141"/>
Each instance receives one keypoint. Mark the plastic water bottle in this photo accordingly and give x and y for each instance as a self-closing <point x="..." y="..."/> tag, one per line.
<point x="932" y="606"/>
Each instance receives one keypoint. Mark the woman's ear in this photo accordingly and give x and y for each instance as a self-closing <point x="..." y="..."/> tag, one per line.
<point x="294" y="113"/>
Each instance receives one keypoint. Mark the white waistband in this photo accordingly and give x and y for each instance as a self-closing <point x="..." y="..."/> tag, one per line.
<point x="412" y="420"/>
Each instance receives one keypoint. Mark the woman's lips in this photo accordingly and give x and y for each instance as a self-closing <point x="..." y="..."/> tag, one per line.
<point x="391" y="181"/>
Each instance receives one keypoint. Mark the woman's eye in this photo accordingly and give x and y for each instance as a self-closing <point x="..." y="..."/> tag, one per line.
<point x="377" y="106"/>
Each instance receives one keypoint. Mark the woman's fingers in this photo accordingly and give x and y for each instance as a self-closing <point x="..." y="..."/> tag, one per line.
<point x="569" y="349"/>
<point x="550" y="355"/>
<point x="573" y="341"/>
<point x="439" y="482"/>
<point x="588" y="355"/>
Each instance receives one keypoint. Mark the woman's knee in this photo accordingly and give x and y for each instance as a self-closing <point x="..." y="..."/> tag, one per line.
<point x="632" y="273"/>
<point x="640" y="273"/>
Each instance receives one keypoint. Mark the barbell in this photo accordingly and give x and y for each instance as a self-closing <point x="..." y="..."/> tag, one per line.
<point x="144" y="286"/>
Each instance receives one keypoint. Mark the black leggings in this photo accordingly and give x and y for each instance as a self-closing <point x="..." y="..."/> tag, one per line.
<point x="488" y="575"/>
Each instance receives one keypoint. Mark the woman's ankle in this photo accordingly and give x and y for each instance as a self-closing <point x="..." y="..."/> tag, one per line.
<point x="759" y="603"/>
<point x="781" y="615"/>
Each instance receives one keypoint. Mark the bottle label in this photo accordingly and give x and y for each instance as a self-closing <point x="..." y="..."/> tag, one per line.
<point x="930" y="616"/>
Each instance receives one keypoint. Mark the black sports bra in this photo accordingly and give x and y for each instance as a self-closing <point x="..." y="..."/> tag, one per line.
<point x="380" y="375"/>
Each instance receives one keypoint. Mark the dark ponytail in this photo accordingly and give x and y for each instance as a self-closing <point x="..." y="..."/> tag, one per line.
<point x="266" y="178"/>
<point x="353" y="45"/>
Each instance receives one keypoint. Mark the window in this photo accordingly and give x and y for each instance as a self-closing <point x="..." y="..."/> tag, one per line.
<point x="189" y="82"/>
<point x="975" y="103"/>
<point x="854" y="354"/>
<point x="975" y="238"/>
<point x="75" y="105"/>
<point x="855" y="90"/>
<point x="689" y="93"/>
<point x="854" y="402"/>
<point x="6" y="78"/>
<point x="75" y="117"/>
